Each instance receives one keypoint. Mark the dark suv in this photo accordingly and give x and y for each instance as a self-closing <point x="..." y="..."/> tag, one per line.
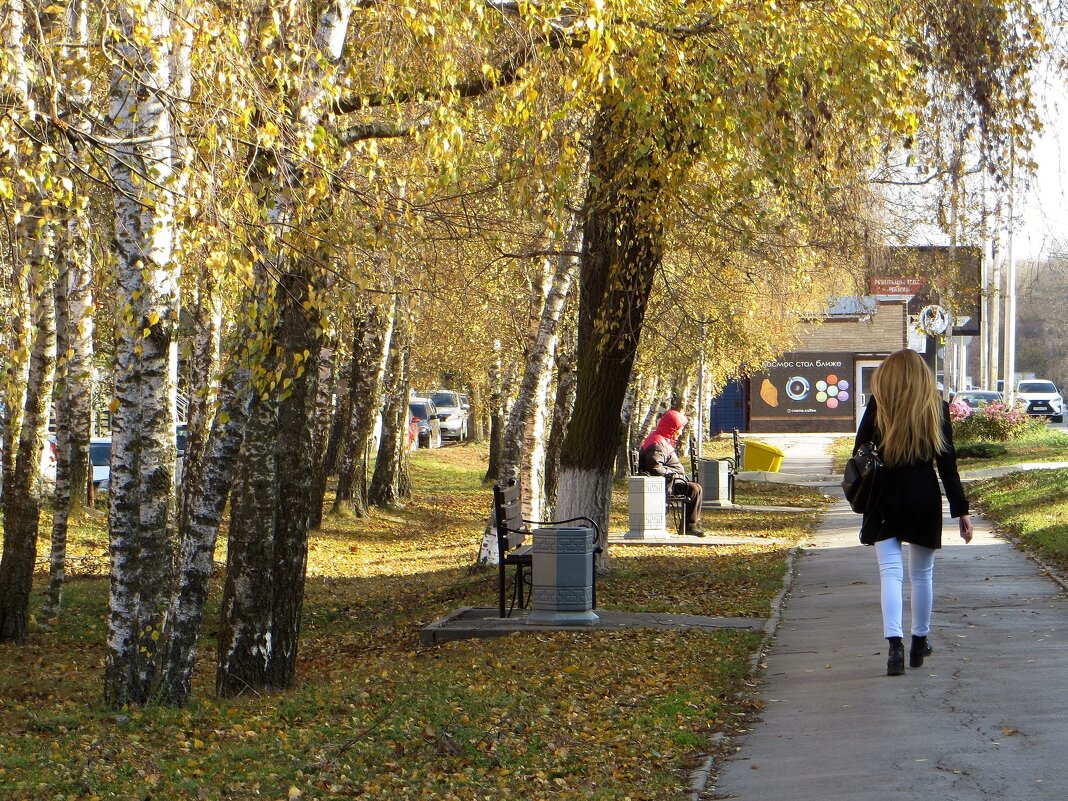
<point x="425" y="413"/>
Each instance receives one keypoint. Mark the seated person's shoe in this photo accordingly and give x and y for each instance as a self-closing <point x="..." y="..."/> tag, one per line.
<point x="895" y="663"/>
<point x="696" y="532"/>
<point x="921" y="647"/>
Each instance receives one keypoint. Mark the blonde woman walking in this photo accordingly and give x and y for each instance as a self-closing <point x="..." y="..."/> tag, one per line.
<point x="910" y="424"/>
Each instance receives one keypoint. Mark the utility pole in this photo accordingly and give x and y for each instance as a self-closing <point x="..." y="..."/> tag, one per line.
<point x="993" y="343"/>
<point x="1010" y="289"/>
<point x="984" y="301"/>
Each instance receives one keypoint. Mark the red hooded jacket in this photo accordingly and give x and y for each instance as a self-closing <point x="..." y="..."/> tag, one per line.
<point x="657" y="456"/>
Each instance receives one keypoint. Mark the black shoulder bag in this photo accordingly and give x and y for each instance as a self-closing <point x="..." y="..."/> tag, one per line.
<point x="861" y="475"/>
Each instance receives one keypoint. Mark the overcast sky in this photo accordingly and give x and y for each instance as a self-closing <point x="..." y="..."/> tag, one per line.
<point x="1044" y="200"/>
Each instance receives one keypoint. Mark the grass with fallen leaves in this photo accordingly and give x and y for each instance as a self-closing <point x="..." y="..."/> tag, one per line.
<point x="592" y="715"/>
<point x="1032" y="506"/>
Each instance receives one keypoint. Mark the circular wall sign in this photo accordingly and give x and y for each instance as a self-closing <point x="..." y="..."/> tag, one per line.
<point x="934" y="321"/>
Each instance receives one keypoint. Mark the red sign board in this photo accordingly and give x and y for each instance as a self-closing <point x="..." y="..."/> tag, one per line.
<point x="887" y="285"/>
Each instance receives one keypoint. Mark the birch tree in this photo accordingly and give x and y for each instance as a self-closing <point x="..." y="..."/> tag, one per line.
<point x="74" y="329"/>
<point x="143" y="416"/>
<point x="371" y="346"/>
<point x="22" y="490"/>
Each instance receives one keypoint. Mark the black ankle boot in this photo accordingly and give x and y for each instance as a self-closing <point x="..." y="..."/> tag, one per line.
<point x="895" y="662"/>
<point x="920" y="648"/>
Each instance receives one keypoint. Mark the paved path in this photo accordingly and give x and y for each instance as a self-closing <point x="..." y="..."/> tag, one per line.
<point x="804" y="455"/>
<point x="986" y="717"/>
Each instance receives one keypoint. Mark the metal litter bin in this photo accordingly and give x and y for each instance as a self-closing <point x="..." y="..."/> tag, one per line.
<point x="562" y="577"/>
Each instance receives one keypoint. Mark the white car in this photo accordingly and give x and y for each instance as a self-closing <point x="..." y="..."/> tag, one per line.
<point x="451" y="413"/>
<point x="1041" y="398"/>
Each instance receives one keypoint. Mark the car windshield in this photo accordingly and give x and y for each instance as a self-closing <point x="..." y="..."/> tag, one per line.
<point x="445" y="398"/>
<point x="1037" y="386"/>
<point x="980" y="397"/>
<point x="100" y="453"/>
<point x="418" y="410"/>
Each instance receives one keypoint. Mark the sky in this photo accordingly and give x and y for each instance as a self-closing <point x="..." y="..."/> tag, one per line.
<point x="1044" y="198"/>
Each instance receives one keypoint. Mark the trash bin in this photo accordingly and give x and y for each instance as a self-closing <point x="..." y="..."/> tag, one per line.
<point x="646" y="508"/>
<point x="761" y="456"/>
<point x="561" y="590"/>
<point x="715" y="477"/>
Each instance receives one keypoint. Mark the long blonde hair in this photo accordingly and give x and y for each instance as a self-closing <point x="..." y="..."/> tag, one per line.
<point x="908" y="410"/>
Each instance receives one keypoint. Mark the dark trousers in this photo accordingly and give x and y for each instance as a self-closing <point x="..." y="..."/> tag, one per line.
<point x="693" y="493"/>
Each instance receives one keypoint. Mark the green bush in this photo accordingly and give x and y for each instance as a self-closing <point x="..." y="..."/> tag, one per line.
<point x="980" y="450"/>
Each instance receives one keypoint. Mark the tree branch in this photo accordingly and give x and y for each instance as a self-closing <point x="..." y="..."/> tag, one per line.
<point x="476" y="86"/>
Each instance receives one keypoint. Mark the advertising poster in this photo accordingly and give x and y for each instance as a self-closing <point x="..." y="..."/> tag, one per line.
<point x="804" y="392"/>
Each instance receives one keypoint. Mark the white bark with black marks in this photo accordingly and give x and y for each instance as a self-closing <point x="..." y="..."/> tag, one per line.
<point x="206" y="487"/>
<point x="370" y="352"/>
<point x="565" y="401"/>
<point x="143" y="444"/>
<point x="384" y="490"/>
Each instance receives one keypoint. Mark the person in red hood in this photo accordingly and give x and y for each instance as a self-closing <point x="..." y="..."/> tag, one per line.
<point x="657" y="457"/>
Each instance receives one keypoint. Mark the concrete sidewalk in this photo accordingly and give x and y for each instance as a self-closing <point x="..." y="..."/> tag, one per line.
<point x="986" y="717"/>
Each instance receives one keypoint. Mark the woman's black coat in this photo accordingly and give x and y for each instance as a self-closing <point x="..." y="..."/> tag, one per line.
<point x="909" y="504"/>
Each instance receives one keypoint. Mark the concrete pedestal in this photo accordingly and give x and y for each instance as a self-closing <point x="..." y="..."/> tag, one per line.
<point x="714" y="475"/>
<point x="562" y="577"/>
<point x="647" y="512"/>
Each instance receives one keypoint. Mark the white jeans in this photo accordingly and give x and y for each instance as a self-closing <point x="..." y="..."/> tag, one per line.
<point x="921" y="577"/>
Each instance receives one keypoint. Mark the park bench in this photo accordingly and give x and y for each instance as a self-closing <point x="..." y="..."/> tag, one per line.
<point x="735" y="465"/>
<point x="512" y="531"/>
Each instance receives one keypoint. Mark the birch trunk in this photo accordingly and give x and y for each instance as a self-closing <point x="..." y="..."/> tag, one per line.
<point x="496" y="416"/>
<point x="143" y="445"/>
<point x="528" y="409"/>
<point x="264" y="590"/>
<point x="340" y="422"/>
<point x="477" y="415"/>
<point x="206" y="487"/>
<point x="322" y="417"/>
<point x="203" y="356"/>
<point x="17" y="321"/>
<point x="22" y="494"/>
<point x="626" y="422"/>
<point x="370" y="352"/>
<point x="654" y="405"/>
<point x="245" y="633"/>
<point x="565" y="402"/>
<point x="383" y="490"/>
<point x="294" y="459"/>
<point x="74" y="332"/>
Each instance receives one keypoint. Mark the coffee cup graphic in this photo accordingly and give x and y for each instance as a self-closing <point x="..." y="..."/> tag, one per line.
<point x="797" y="388"/>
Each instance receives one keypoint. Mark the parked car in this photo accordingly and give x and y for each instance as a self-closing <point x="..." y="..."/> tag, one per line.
<point x="1041" y="399"/>
<point x="977" y="398"/>
<point x="451" y="413"/>
<point x="100" y="457"/>
<point x="426" y="415"/>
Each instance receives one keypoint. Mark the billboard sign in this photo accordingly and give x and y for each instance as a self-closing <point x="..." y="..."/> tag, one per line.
<point x="804" y="392"/>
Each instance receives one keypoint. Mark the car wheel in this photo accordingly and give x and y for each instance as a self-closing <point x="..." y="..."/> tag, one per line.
<point x="1058" y="419"/>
